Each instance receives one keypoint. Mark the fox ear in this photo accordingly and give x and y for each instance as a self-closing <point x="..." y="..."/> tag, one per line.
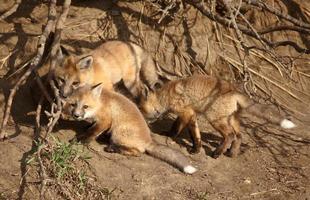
<point x="96" y="90"/>
<point x="145" y="92"/>
<point x="85" y="63"/>
<point x="62" y="53"/>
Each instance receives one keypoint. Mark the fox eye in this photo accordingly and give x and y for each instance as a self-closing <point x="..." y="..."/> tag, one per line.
<point x="76" y="83"/>
<point x="85" y="106"/>
<point x="62" y="80"/>
<point x="73" y="104"/>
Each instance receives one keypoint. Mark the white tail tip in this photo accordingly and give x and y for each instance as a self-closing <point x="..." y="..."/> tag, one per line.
<point x="287" y="124"/>
<point x="189" y="169"/>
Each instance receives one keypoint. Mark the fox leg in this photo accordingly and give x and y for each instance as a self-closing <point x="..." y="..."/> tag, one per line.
<point x="195" y="135"/>
<point x="111" y="148"/>
<point x="181" y="122"/>
<point x="127" y="151"/>
<point x="227" y="132"/>
<point x="175" y="126"/>
<point x="91" y="133"/>
<point x="235" y="146"/>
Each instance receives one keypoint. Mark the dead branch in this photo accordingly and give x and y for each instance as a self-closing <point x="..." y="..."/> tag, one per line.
<point x="54" y="115"/>
<point x="43" y="88"/>
<point x="205" y="10"/>
<point x="43" y="175"/>
<point x="55" y="47"/>
<point x="284" y="28"/>
<point x="278" y="13"/>
<point x="11" y="10"/>
<point x="35" y="62"/>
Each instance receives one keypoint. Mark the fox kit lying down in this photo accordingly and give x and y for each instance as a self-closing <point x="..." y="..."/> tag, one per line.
<point x="114" y="113"/>
<point x="216" y="100"/>
<point x="108" y="64"/>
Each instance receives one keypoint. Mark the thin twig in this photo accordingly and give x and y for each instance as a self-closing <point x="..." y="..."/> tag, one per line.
<point x="234" y="62"/>
<point x="263" y="192"/>
<point x="43" y="175"/>
<point x="278" y="13"/>
<point x="3" y="60"/>
<point x="43" y="88"/>
<point x="55" y="47"/>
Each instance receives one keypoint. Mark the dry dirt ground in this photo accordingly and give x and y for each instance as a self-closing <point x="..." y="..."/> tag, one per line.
<point x="274" y="164"/>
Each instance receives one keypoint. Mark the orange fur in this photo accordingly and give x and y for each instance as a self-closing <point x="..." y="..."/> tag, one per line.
<point x="108" y="64"/>
<point x="216" y="100"/>
<point x="114" y="113"/>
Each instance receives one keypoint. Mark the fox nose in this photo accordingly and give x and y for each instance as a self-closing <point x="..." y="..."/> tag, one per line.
<point x="63" y="94"/>
<point x="76" y="115"/>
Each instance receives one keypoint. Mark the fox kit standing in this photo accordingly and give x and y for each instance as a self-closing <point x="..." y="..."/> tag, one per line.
<point x="119" y="116"/>
<point x="216" y="100"/>
<point x="108" y="64"/>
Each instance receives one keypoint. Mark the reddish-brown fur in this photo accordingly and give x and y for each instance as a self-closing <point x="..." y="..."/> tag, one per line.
<point x="108" y="64"/>
<point x="119" y="116"/>
<point x="216" y="100"/>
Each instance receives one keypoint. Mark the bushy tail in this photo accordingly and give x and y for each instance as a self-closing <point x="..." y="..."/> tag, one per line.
<point x="262" y="111"/>
<point x="171" y="156"/>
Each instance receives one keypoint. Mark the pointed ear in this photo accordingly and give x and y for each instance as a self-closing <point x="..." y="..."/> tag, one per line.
<point x="96" y="90"/>
<point x="62" y="53"/>
<point x="85" y="63"/>
<point x="145" y="93"/>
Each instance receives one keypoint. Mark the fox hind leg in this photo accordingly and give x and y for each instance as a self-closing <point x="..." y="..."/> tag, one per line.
<point x="181" y="122"/>
<point x="235" y="146"/>
<point x="195" y="135"/>
<point x="226" y="130"/>
<point x="175" y="127"/>
<point x="128" y="151"/>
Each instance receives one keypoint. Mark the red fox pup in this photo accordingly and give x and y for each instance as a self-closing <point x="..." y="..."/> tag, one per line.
<point x="114" y="113"/>
<point x="216" y="100"/>
<point x="108" y="64"/>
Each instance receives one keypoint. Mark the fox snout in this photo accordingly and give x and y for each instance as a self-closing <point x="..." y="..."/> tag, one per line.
<point x="65" y="91"/>
<point x="78" y="114"/>
<point x="152" y="116"/>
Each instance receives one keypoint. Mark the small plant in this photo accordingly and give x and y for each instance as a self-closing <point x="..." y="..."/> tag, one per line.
<point x="107" y="193"/>
<point x="82" y="180"/>
<point x="202" y="196"/>
<point x="2" y="196"/>
<point x="62" y="157"/>
<point x="65" y="167"/>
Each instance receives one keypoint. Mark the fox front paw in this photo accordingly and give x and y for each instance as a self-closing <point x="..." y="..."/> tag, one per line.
<point x="233" y="153"/>
<point x="110" y="149"/>
<point x="194" y="150"/>
<point x="216" y="154"/>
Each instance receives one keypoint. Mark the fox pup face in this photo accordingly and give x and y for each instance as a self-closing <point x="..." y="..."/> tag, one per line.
<point x="71" y="72"/>
<point x="151" y="107"/>
<point x="85" y="102"/>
